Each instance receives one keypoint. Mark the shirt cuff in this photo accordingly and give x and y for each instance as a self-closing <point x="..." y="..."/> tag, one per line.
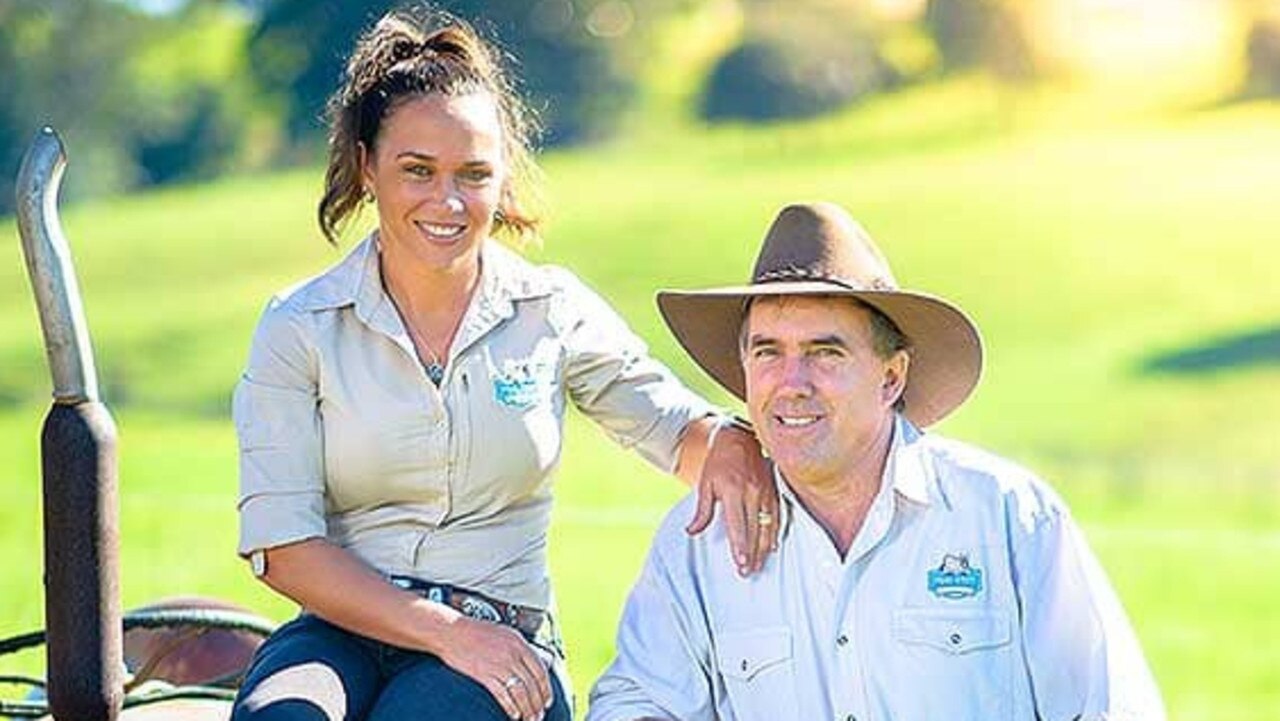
<point x="661" y="445"/>
<point x="268" y="520"/>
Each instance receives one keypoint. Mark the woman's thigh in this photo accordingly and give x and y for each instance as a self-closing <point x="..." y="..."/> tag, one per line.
<point x="425" y="689"/>
<point x="309" y="669"/>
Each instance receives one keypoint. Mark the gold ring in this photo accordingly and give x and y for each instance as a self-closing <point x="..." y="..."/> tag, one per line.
<point x="764" y="518"/>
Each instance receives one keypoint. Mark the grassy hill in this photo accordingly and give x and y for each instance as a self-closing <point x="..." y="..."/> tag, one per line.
<point x="1122" y="274"/>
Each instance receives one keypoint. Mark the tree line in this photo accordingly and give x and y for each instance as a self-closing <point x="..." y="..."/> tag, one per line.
<point x="214" y="86"/>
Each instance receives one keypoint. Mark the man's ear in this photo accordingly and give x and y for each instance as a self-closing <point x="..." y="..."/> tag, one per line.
<point x="895" y="377"/>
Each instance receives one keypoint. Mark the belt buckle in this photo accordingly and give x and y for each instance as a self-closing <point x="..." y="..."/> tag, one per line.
<point x="478" y="608"/>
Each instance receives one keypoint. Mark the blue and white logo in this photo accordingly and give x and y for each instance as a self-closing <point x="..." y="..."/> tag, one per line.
<point x="955" y="578"/>
<point x="523" y="383"/>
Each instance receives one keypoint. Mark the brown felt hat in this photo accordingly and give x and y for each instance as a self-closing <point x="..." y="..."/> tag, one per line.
<point x="817" y="249"/>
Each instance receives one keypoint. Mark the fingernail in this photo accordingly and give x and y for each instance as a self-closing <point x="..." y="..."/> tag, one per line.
<point x="742" y="559"/>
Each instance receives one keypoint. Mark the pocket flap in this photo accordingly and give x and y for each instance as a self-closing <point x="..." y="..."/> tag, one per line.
<point x="954" y="631"/>
<point x="743" y="654"/>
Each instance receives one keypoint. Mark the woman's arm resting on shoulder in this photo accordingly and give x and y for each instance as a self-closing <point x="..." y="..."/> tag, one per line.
<point x="331" y="583"/>
<point x="723" y="461"/>
<point x="611" y="377"/>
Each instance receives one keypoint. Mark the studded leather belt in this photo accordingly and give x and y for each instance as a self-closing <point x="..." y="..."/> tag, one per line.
<point x="528" y="621"/>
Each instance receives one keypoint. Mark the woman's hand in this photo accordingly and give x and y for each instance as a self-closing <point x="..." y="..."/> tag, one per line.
<point x="736" y="475"/>
<point x="498" y="658"/>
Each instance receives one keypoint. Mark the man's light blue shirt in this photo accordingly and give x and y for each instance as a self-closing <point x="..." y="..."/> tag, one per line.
<point x="969" y="593"/>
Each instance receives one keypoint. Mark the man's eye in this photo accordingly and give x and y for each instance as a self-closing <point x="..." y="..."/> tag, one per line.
<point x="827" y="352"/>
<point x="418" y="171"/>
<point x="764" y="352"/>
<point x="476" y="175"/>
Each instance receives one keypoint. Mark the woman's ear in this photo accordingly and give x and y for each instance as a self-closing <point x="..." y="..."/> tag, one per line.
<point x="365" y="160"/>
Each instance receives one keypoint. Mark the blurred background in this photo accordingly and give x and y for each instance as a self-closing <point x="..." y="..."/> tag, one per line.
<point x="1094" y="180"/>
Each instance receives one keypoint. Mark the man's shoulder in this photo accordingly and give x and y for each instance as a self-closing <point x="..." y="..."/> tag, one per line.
<point x="677" y="548"/>
<point x="961" y="457"/>
<point x="964" y="469"/>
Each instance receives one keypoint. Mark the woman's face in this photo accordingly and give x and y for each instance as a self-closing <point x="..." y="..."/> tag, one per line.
<point x="437" y="172"/>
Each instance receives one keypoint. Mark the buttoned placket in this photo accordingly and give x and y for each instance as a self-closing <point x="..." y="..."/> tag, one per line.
<point x="447" y="405"/>
<point x="849" y="699"/>
<point x="377" y="311"/>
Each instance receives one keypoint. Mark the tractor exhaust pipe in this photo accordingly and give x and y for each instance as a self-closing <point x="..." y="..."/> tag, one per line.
<point x="78" y="463"/>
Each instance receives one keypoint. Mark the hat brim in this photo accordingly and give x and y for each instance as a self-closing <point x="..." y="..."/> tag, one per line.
<point x="946" y="349"/>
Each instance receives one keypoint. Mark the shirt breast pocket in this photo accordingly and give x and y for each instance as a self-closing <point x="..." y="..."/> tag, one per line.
<point x="758" y="672"/>
<point x="965" y="658"/>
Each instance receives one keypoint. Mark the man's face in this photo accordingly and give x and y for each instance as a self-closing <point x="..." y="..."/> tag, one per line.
<point x="819" y="396"/>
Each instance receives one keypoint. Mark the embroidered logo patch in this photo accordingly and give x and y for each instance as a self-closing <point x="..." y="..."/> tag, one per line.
<point x="955" y="578"/>
<point x="521" y="383"/>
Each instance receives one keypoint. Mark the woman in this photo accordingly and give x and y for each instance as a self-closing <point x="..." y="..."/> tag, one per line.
<point x="401" y="414"/>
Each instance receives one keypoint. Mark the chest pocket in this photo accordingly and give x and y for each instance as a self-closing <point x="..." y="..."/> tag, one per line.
<point x="968" y="655"/>
<point x="758" y="672"/>
<point x="524" y="410"/>
<point x="953" y="631"/>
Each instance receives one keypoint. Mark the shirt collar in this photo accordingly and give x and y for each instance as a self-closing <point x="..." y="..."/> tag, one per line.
<point x="505" y="278"/>
<point x="341" y="284"/>
<point x="908" y="467"/>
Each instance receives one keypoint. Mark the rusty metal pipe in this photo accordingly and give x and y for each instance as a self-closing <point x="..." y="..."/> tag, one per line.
<point x="78" y="463"/>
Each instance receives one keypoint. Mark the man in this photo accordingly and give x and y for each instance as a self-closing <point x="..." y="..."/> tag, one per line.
<point x="916" y="578"/>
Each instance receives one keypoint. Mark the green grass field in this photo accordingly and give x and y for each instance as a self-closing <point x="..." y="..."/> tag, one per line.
<point x="1090" y="253"/>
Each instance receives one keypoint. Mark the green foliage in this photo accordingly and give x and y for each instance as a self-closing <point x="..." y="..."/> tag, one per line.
<point x="297" y="51"/>
<point x="142" y="99"/>
<point x="795" y="64"/>
<point x="562" y="48"/>
<point x="980" y="33"/>
<point x="51" y="57"/>
<point x="191" y="80"/>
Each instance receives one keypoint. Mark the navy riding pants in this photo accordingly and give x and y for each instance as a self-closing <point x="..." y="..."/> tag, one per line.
<point x="311" y="670"/>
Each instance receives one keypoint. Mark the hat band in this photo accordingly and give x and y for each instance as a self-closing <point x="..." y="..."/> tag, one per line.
<point x="786" y="275"/>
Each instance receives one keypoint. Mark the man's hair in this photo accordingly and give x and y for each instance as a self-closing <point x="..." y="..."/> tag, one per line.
<point x="886" y="337"/>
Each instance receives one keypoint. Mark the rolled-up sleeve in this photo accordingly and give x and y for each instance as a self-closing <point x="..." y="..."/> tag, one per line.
<point x="275" y="410"/>
<point x="1084" y="659"/>
<point x="662" y="669"/>
<point x="611" y="377"/>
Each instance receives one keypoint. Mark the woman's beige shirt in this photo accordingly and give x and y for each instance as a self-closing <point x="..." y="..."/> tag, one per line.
<point x="343" y="437"/>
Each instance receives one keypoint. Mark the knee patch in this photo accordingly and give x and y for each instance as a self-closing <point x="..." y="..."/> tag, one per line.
<point x="313" y="683"/>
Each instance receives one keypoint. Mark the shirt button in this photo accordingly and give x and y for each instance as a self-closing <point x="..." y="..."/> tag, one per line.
<point x="850" y="717"/>
<point x="744" y="664"/>
<point x="842" y="640"/>
<point x="955" y="639"/>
